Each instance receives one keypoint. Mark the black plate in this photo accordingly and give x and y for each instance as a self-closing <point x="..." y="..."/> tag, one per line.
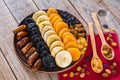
<point x="23" y="59"/>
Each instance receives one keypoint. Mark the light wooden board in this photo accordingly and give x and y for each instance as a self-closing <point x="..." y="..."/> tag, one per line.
<point x="8" y="22"/>
<point x="114" y="7"/>
<point x="5" y="70"/>
<point x="12" y="12"/>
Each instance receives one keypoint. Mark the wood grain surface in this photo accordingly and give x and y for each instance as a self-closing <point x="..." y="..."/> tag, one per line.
<point x="12" y="12"/>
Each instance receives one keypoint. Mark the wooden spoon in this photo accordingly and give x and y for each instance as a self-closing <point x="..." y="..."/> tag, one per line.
<point x="96" y="62"/>
<point x="105" y="46"/>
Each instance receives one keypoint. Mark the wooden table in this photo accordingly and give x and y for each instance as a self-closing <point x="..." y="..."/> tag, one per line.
<point x="12" y="13"/>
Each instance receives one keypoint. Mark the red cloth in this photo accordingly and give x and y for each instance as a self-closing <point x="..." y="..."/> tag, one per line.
<point x="93" y="75"/>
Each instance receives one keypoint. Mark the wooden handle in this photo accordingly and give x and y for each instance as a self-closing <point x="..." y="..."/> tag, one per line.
<point x="97" y="24"/>
<point x="92" y="38"/>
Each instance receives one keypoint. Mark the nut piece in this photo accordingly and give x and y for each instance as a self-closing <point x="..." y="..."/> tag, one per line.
<point x="76" y="73"/>
<point x="82" y="70"/>
<point x="79" y="68"/>
<point x="87" y="72"/>
<point x="114" y="71"/>
<point x="82" y="75"/>
<point x="65" y="75"/>
<point x="71" y="74"/>
<point x="110" y="35"/>
<point x="113" y="29"/>
<point x="114" y="64"/>
<point x="105" y="74"/>
<point x="114" y="44"/>
<point x="108" y="38"/>
<point x="108" y="71"/>
<point x="106" y="30"/>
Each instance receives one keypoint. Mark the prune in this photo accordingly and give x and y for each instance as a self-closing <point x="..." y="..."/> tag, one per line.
<point x="34" y="31"/>
<point x="44" y="53"/>
<point x="30" y="26"/>
<point x="39" y="45"/>
<point x="37" y="39"/>
<point x="29" y="20"/>
<point x="76" y="21"/>
<point x="45" y="47"/>
<point x="69" y="16"/>
<point x="48" y="61"/>
<point x="64" y="15"/>
<point x="64" y="19"/>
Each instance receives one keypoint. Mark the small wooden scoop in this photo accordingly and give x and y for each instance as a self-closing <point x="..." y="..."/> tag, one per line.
<point x="106" y="50"/>
<point x="96" y="62"/>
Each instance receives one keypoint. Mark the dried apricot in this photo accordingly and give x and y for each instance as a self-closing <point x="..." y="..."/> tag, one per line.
<point x="52" y="15"/>
<point x="68" y="38"/>
<point x="51" y="10"/>
<point x="59" y="26"/>
<point x="54" y="19"/>
<point x="62" y="31"/>
<point x="75" y="52"/>
<point x="58" y="20"/>
<point x="71" y="44"/>
<point x="66" y="33"/>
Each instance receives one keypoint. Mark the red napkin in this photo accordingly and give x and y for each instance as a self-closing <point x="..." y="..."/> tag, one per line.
<point x="87" y="59"/>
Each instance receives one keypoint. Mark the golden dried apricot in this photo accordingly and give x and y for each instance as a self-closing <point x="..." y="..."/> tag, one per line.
<point x="75" y="53"/>
<point x="51" y="11"/>
<point x="62" y="31"/>
<point x="59" y="26"/>
<point x="71" y="44"/>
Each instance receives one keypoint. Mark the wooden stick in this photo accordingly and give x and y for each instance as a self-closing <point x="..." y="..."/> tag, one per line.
<point x="97" y="24"/>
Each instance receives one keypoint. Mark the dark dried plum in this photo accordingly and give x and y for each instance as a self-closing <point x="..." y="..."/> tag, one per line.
<point x="44" y="53"/>
<point x="48" y="61"/>
<point x="29" y="20"/>
<point x="34" y="31"/>
<point x="40" y="43"/>
<point x="44" y="47"/>
<point x="30" y="26"/>
<point x="69" y="16"/>
<point x="64" y="15"/>
<point x="76" y="21"/>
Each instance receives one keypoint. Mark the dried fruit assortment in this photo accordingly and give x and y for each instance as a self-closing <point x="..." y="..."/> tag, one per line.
<point x="46" y="41"/>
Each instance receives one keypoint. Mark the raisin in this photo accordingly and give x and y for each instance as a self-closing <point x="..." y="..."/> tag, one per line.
<point x="105" y="26"/>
